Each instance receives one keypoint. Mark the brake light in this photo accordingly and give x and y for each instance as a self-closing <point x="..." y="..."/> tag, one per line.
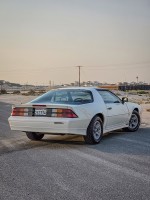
<point x="19" y="112"/>
<point x="52" y="112"/>
<point x="64" y="113"/>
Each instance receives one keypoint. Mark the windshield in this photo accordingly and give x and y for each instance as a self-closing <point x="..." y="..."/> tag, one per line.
<point x="67" y="96"/>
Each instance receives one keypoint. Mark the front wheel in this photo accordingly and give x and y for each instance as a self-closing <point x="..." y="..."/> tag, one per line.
<point x="94" y="131"/>
<point x="134" y="122"/>
<point x="34" y="136"/>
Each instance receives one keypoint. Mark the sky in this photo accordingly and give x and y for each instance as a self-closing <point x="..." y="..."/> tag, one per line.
<point x="44" y="40"/>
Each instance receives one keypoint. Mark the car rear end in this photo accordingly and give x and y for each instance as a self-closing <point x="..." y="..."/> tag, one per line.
<point x="48" y="119"/>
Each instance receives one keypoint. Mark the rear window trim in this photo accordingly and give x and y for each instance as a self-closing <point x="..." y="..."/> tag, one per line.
<point x="34" y="101"/>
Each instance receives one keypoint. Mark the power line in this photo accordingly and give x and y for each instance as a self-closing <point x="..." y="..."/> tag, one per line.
<point x="117" y="68"/>
<point x="33" y="69"/>
<point x="107" y="66"/>
<point x="122" y="64"/>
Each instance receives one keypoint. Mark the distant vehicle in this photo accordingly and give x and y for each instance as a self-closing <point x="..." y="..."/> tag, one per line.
<point x="90" y="112"/>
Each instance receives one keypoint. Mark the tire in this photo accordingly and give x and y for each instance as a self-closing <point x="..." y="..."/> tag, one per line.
<point x="134" y="122"/>
<point x="34" y="136"/>
<point x="94" y="131"/>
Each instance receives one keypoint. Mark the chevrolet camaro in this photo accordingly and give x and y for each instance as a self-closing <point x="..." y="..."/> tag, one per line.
<point x="89" y="112"/>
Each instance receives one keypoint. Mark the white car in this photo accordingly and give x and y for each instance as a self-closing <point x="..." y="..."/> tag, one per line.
<point x="90" y="112"/>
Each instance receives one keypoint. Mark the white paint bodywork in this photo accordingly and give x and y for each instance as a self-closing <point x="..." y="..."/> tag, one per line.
<point x="115" y="118"/>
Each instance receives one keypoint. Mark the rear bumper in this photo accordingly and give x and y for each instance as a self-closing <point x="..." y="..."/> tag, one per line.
<point x="48" y="125"/>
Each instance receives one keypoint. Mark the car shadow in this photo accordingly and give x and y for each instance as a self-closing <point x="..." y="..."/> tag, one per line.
<point x="120" y="142"/>
<point x="116" y="142"/>
<point x="64" y="139"/>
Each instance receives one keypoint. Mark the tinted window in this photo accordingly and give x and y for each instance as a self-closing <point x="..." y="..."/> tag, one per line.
<point x="109" y="97"/>
<point x="65" y="97"/>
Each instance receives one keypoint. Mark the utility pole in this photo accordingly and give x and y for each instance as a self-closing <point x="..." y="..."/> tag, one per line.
<point x="79" y="74"/>
<point x="50" y="85"/>
<point x="137" y="79"/>
<point x="1" y="87"/>
<point x="1" y="82"/>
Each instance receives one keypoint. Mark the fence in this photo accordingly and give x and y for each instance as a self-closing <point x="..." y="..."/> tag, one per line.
<point x="133" y="87"/>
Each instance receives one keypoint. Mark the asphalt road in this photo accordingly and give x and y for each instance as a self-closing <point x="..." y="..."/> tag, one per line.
<point x="63" y="167"/>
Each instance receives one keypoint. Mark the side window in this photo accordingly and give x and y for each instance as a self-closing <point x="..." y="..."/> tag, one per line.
<point x="109" y="97"/>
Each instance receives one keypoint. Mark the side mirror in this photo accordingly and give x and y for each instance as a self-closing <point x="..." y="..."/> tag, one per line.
<point x="124" y="99"/>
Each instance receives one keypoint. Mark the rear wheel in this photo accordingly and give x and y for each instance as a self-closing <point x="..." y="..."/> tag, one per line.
<point x="134" y="122"/>
<point x="34" y="136"/>
<point x="94" y="131"/>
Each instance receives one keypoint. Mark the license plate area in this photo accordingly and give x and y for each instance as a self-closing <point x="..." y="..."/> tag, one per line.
<point x="40" y="112"/>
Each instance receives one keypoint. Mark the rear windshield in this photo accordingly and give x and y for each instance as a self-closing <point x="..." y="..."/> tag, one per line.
<point x="67" y="96"/>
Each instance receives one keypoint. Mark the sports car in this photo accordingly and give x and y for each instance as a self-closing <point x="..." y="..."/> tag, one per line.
<point x="89" y="112"/>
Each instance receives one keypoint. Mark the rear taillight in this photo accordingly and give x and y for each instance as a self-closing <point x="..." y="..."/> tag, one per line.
<point x="63" y="113"/>
<point x="19" y="112"/>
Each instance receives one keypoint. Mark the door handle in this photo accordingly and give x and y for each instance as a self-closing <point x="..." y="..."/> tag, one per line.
<point x="109" y="108"/>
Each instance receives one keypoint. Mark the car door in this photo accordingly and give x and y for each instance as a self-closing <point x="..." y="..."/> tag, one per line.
<point x="117" y="112"/>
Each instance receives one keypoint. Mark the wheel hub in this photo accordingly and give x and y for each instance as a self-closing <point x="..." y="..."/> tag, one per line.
<point x="133" y="121"/>
<point x="97" y="130"/>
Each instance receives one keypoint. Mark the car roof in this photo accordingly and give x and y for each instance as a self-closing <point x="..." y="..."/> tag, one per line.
<point x="80" y="88"/>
